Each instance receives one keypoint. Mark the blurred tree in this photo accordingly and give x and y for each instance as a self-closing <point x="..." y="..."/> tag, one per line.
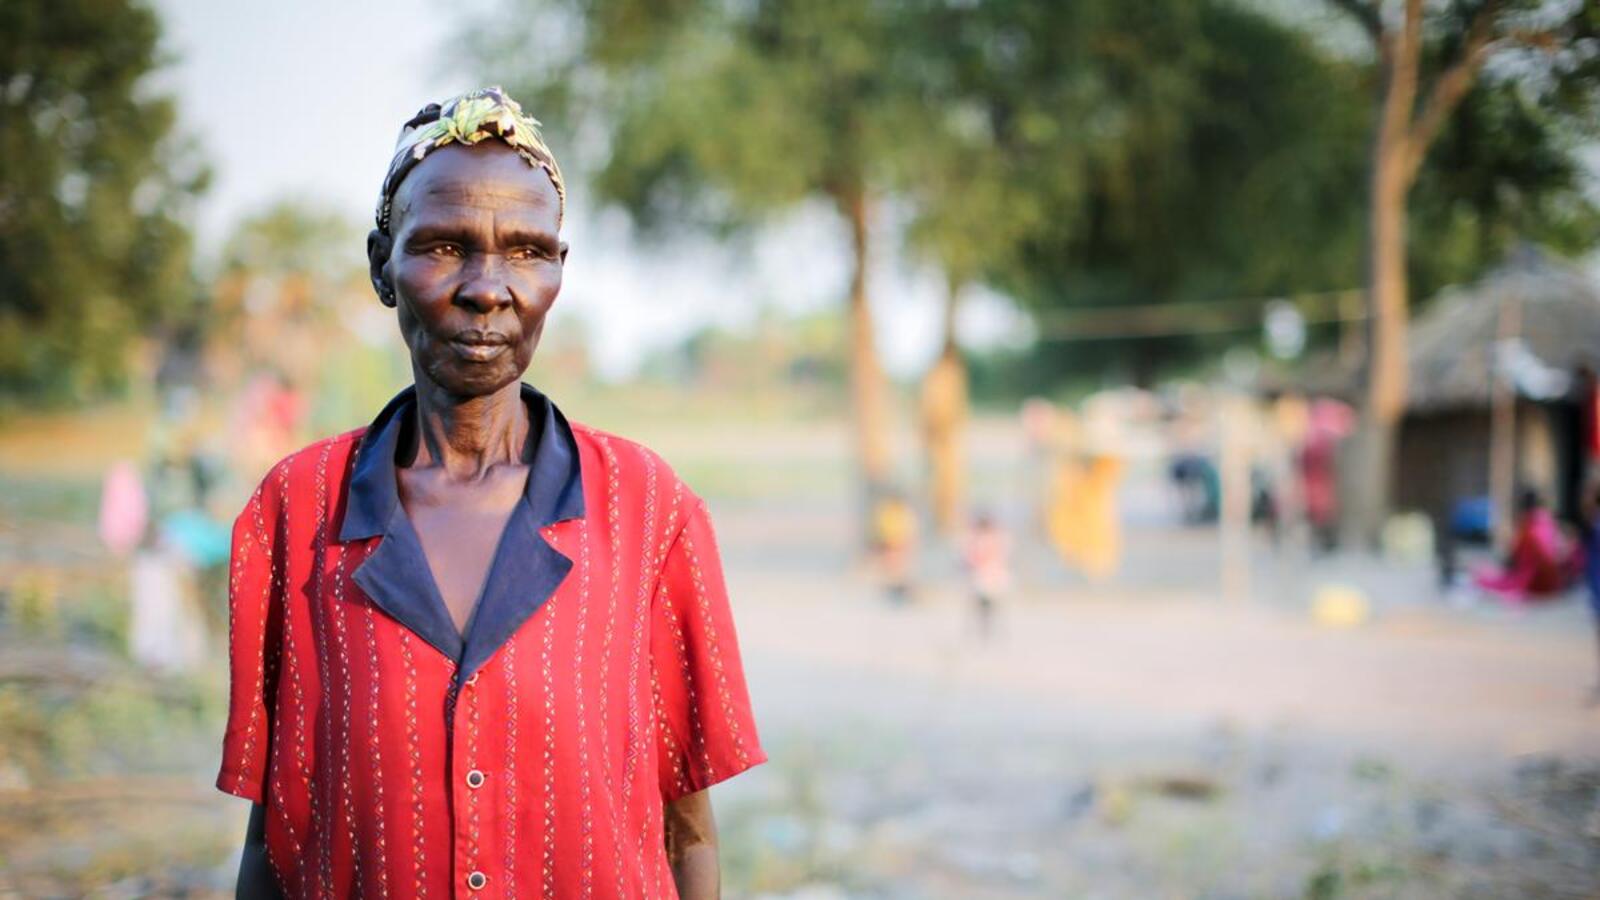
<point x="945" y="409"/>
<point x="718" y="113"/>
<point x="293" y="303"/>
<point x="286" y="276"/>
<point x="1428" y="62"/>
<point x="95" y="188"/>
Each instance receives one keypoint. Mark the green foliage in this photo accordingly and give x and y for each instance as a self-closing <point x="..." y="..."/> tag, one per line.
<point x="1181" y="152"/>
<point x="294" y="237"/>
<point x="94" y="188"/>
<point x="1505" y="171"/>
<point x="711" y="113"/>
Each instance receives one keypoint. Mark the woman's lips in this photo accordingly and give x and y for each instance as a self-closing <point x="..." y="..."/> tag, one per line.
<point x="480" y="351"/>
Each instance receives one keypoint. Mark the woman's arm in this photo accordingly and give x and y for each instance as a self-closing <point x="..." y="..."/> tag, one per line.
<point x="691" y="833"/>
<point x="256" y="881"/>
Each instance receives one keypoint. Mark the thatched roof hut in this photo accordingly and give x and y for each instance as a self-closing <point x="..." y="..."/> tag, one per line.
<point x="1451" y="345"/>
<point x="1550" y="307"/>
<point x="1528" y="325"/>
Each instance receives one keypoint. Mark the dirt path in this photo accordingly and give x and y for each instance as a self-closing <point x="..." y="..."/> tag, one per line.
<point x="1426" y="688"/>
<point x="1153" y="740"/>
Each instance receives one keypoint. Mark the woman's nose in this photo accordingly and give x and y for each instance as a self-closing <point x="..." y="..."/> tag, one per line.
<point x="485" y="287"/>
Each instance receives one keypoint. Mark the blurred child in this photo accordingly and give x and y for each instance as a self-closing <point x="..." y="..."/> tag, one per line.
<point x="988" y="562"/>
<point x="894" y="526"/>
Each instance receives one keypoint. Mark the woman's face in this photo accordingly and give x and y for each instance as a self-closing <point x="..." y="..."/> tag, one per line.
<point x="473" y="266"/>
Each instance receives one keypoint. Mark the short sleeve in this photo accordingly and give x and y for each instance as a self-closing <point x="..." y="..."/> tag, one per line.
<point x="254" y="620"/>
<point x="706" y="731"/>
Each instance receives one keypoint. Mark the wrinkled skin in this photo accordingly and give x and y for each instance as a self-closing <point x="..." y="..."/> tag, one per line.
<point x="473" y="267"/>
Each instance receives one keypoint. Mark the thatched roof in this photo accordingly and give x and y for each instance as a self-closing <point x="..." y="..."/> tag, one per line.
<point x="1452" y="343"/>
<point x="1554" y="309"/>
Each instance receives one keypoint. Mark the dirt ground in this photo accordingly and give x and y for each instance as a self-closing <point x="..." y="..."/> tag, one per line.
<point x="1161" y="741"/>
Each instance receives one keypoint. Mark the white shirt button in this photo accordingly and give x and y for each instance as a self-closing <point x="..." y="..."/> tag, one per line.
<point x="475" y="779"/>
<point x="477" y="880"/>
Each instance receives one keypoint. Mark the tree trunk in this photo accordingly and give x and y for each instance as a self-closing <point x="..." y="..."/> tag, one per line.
<point x="1385" y="399"/>
<point x="1387" y="373"/>
<point x="868" y="389"/>
<point x="1404" y="134"/>
<point x="944" y="421"/>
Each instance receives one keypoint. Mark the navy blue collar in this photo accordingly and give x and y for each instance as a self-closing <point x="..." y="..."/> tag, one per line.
<point x="525" y="570"/>
<point x="554" y="491"/>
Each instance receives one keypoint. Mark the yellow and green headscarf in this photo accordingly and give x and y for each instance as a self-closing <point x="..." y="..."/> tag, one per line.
<point x="467" y="119"/>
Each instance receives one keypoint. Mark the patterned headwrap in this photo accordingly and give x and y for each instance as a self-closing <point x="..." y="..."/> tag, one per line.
<point x="468" y="119"/>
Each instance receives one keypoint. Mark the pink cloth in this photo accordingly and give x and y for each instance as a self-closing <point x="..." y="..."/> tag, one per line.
<point x="1543" y="561"/>
<point x="1331" y="421"/>
<point x="124" y="511"/>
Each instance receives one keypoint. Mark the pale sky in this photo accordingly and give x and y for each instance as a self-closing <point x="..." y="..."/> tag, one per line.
<point x="304" y="99"/>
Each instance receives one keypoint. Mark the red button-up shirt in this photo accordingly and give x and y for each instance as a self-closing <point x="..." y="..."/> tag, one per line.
<point x="529" y="756"/>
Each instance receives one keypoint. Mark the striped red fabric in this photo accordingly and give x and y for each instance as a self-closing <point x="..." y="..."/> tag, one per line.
<point x="541" y="774"/>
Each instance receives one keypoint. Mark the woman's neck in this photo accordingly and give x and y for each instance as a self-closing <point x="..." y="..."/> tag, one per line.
<point x="468" y="436"/>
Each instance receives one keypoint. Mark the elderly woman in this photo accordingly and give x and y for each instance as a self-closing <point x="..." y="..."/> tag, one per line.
<point x="478" y="649"/>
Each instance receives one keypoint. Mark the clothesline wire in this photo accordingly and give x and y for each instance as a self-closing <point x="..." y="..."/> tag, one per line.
<point x="1157" y="319"/>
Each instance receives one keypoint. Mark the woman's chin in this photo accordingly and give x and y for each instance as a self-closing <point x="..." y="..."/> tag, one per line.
<point x="468" y="379"/>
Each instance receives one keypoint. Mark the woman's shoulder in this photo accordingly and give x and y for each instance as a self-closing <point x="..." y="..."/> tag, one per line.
<point x="613" y="451"/>
<point x="628" y="465"/>
<point x="315" y="467"/>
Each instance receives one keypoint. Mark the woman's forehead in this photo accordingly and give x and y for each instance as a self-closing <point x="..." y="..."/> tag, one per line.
<point x="487" y="176"/>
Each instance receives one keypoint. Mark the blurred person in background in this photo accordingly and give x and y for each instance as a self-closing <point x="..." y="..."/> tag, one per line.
<point x="1083" y="519"/>
<point x="1330" y="422"/>
<point x="1542" y="561"/>
<point x="1196" y="487"/>
<point x="1083" y="514"/>
<point x="1198" y="491"/>
<point x="477" y="648"/>
<point x="987" y="554"/>
<point x="894" y="543"/>
<point x="268" y="420"/>
<point x="156" y="518"/>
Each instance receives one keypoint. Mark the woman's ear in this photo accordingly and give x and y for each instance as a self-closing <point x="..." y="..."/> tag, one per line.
<point x="379" y="246"/>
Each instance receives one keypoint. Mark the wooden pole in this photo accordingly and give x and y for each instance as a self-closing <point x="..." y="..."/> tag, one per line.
<point x="1503" y="423"/>
<point x="1233" y="530"/>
